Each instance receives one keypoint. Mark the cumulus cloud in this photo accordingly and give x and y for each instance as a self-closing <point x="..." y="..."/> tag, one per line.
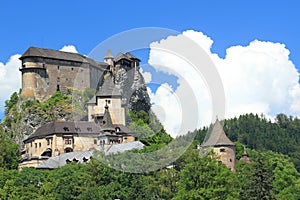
<point x="10" y="79"/>
<point x="147" y="76"/>
<point x="257" y="78"/>
<point x="69" y="48"/>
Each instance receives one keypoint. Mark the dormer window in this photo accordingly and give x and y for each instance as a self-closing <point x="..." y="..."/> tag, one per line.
<point x="117" y="129"/>
<point x="66" y="129"/>
<point x="89" y="129"/>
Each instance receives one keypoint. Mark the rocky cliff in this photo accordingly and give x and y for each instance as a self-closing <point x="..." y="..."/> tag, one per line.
<point x="133" y="89"/>
<point x="24" y="117"/>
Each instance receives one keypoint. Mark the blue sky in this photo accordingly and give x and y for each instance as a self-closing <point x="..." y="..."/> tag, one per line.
<point x="84" y="24"/>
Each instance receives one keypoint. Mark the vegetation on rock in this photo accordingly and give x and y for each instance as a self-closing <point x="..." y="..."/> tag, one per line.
<point x="272" y="146"/>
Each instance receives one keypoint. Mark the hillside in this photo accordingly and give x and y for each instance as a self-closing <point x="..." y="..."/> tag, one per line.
<point x="272" y="148"/>
<point x="256" y="132"/>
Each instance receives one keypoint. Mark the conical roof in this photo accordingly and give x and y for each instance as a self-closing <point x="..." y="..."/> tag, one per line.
<point x="108" y="54"/>
<point x="106" y="121"/>
<point x="217" y="137"/>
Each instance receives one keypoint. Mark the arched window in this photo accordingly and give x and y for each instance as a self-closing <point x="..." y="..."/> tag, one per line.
<point x="67" y="150"/>
<point x="47" y="152"/>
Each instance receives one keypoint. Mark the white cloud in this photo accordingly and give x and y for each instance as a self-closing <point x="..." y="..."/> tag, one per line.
<point x="147" y="76"/>
<point x="258" y="78"/>
<point x="69" y="48"/>
<point x="10" y="79"/>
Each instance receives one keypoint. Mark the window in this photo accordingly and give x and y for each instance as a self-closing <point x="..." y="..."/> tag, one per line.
<point x="31" y="144"/>
<point x="58" y="67"/>
<point x="66" y="128"/>
<point x="89" y="129"/>
<point x="68" y="141"/>
<point x="95" y="141"/>
<point x="230" y="160"/>
<point x="72" y="68"/>
<point x="40" y="145"/>
<point x="35" y="144"/>
<point x="77" y="129"/>
<point x="222" y="150"/>
<point x="48" y="141"/>
<point x="57" y="88"/>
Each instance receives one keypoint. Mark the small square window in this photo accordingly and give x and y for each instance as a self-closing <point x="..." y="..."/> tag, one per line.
<point x="222" y="150"/>
<point x="68" y="141"/>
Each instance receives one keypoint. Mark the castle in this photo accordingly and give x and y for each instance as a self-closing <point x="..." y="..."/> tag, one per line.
<point x="45" y="71"/>
<point x="52" y="145"/>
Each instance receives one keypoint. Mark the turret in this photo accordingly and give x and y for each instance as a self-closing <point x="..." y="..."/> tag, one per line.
<point x="109" y="58"/>
<point x="223" y="147"/>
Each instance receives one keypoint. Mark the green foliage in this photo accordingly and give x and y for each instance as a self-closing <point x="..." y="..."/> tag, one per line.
<point x="256" y="132"/>
<point x="12" y="102"/>
<point x="9" y="152"/>
<point x="270" y="175"/>
<point x="206" y="178"/>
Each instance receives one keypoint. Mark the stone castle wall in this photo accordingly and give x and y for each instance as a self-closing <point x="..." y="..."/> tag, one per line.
<point x="42" y="78"/>
<point x="226" y="154"/>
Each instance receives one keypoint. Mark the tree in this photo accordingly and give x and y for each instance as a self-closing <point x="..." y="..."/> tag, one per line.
<point x="206" y="178"/>
<point x="261" y="180"/>
<point x="9" y="152"/>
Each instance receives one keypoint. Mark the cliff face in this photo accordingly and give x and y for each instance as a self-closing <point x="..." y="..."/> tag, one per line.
<point x="24" y="117"/>
<point x="133" y="89"/>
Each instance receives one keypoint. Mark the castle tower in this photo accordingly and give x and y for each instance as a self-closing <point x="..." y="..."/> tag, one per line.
<point x="223" y="147"/>
<point x="245" y="157"/>
<point x="106" y="124"/>
<point x="109" y="58"/>
<point x="30" y="70"/>
<point x="109" y="94"/>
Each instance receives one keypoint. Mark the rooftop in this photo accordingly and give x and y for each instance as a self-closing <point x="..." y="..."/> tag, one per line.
<point x="65" y="128"/>
<point x="108" y="88"/>
<point x="217" y="137"/>
<point x="60" y="55"/>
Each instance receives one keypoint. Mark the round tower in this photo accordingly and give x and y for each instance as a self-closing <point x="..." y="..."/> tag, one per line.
<point x="222" y="146"/>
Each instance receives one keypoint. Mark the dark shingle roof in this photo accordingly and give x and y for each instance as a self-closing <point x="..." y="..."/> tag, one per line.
<point x="107" y="122"/>
<point x="217" y="137"/>
<point x="124" y="129"/>
<point x="121" y="56"/>
<point x="60" y="55"/>
<point x="132" y="57"/>
<point x="65" y="128"/>
<point x="108" y="89"/>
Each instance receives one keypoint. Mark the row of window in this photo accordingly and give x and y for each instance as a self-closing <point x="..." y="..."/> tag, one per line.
<point x="49" y="142"/>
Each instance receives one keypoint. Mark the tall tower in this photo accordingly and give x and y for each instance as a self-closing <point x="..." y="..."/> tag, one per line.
<point x="109" y="58"/>
<point x="223" y="147"/>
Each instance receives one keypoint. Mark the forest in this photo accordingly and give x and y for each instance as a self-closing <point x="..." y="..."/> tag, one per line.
<point x="273" y="147"/>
